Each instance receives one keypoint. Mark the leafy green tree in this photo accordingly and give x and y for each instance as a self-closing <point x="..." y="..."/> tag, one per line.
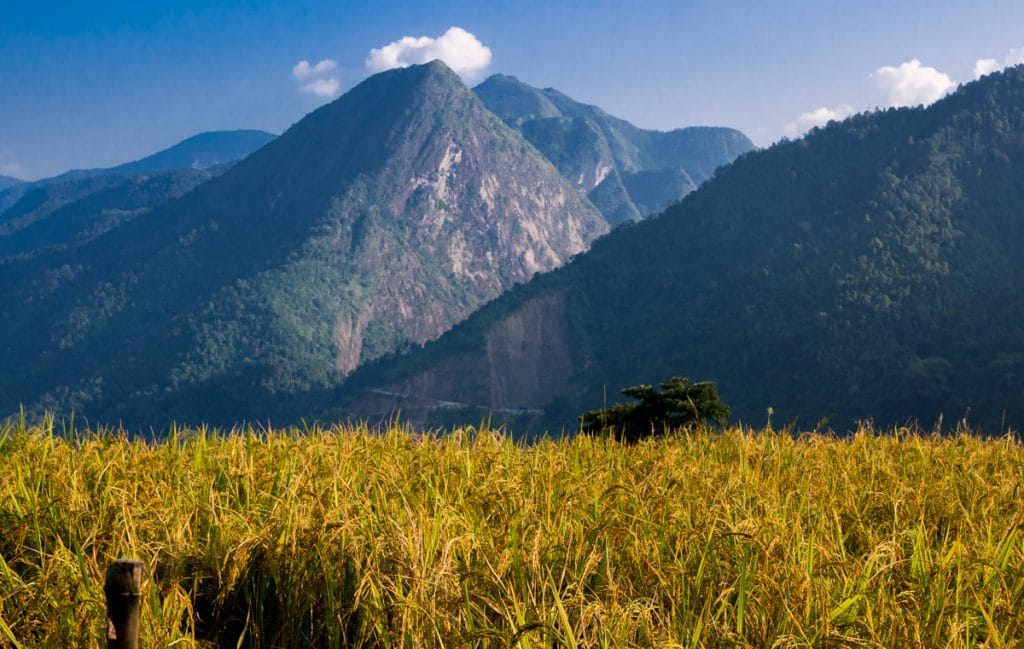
<point x="679" y="404"/>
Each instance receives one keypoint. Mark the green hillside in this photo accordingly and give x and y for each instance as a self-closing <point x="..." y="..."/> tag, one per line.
<point x="870" y="270"/>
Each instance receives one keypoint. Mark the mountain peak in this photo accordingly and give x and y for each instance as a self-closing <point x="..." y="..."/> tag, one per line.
<point x="394" y="90"/>
<point x="514" y="101"/>
<point x="436" y="66"/>
<point x="435" y="70"/>
<point x="377" y="221"/>
<point x="500" y="78"/>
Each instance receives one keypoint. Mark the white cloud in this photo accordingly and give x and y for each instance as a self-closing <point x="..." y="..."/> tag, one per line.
<point x="985" y="66"/>
<point x="459" y="49"/>
<point x="817" y="117"/>
<point x="322" y="87"/>
<point x="303" y="70"/>
<point x="316" y="79"/>
<point x="988" y="66"/>
<point x="909" y="84"/>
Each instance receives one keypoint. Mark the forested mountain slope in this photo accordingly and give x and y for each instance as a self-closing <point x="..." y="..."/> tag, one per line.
<point x="872" y="269"/>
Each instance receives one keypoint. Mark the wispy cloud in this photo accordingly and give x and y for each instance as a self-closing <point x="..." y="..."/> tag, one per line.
<point x="460" y="50"/>
<point x="909" y="84"/>
<point x="317" y="79"/>
<point x="988" y="66"/>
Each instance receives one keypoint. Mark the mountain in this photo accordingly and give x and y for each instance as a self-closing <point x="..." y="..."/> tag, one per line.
<point x="870" y="270"/>
<point x="377" y="221"/>
<point x="626" y="171"/>
<point x="7" y="181"/>
<point x="202" y="151"/>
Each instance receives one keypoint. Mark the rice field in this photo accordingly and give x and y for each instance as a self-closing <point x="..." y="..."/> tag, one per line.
<point x="342" y="537"/>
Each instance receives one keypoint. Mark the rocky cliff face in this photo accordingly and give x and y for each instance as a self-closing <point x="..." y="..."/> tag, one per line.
<point x="522" y="364"/>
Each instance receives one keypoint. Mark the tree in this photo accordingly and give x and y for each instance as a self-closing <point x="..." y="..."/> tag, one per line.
<point x="678" y="405"/>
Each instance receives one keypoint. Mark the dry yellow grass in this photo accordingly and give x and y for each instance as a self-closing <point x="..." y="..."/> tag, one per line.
<point x="342" y="538"/>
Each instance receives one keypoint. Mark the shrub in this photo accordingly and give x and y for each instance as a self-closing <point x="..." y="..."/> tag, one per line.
<point x="678" y="405"/>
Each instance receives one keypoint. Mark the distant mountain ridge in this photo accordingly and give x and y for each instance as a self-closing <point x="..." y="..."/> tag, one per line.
<point x="627" y="172"/>
<point x="375" y="222"/>
<point x="65" y="213"/>
<point x="8" y="181"/>
<point x="870" y="270"/>
<point x="85" y="203"/>
<point x="201" y="151"/>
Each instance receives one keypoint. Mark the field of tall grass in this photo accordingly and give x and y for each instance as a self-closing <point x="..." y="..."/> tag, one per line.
<point x="345" y="538"/>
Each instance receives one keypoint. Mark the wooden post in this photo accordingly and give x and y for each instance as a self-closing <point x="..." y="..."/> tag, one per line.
<point x="123" y="589"/>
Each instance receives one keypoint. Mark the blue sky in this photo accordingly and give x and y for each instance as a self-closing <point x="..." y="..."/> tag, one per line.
<point x="96" y="84"/>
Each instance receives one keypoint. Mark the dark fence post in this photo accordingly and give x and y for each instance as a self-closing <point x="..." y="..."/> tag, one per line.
<point x="123" y="589"/>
